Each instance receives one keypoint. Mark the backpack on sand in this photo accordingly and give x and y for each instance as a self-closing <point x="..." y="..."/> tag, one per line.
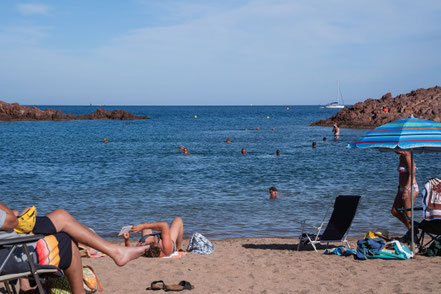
<point x="200" y="244"/>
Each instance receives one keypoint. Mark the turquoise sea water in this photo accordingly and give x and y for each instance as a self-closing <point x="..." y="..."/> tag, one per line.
<point x="140" y="175"/>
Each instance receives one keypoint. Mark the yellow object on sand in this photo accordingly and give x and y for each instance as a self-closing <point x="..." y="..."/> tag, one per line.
<point x="26" y="222"/>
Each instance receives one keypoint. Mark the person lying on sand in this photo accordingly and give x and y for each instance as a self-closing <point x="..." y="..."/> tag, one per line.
<point x="161" y="244"/>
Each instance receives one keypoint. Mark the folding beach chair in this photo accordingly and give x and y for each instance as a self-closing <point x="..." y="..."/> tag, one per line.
<point x="338" y="225"/>
<point x="27" y="269"/>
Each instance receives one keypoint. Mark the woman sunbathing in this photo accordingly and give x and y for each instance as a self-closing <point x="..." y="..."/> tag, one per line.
<point x="163" y="243"/>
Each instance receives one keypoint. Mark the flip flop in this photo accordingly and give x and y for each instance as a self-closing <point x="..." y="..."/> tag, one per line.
<point x="157" y="285"/>
<point x="183" y="285"/>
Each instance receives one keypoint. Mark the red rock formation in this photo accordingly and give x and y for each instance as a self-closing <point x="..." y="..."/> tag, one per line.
<point x="16" y="112"/>
<point x="422" y="103"/>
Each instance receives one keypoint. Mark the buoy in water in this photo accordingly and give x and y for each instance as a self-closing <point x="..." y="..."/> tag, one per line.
<point x="195" y="116"/>
<point x="267" y="117"/>
<point x="287" y="108"/>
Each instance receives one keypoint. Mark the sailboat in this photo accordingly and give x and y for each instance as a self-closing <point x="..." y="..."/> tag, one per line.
<point x="339" y="103"/>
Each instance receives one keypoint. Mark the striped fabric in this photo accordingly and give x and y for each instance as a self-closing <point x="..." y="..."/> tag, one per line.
<point x="48" y="251"/>
<point x="421" y="135"/>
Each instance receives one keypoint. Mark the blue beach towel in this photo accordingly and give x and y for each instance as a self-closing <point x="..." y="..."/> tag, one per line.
<point x="368" y="247"/>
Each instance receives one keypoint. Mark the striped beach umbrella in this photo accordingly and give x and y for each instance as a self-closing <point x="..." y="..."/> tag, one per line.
<point x="409" y="134"/>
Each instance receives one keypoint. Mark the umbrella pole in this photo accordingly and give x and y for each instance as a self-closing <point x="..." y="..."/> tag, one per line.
<point x="412" y="244"/>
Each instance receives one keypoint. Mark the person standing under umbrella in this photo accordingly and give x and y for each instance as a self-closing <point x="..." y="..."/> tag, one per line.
<point x="403" y="197"/>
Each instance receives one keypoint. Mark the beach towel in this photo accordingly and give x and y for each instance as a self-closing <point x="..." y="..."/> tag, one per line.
<point x="394" y="250"/>
<point x="432" y="199"/>
<point x="340" y="251"/>
<point x="200" y="244"/>
<point x="368" y="247"/>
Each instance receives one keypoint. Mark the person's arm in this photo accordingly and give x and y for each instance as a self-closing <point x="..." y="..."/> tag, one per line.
<point x="167" y="245"/>
<point x="126" y="237"/>
<point x="11" y="220"/>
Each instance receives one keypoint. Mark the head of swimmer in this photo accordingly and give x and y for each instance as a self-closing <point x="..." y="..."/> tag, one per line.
<point x="273" y="192"/>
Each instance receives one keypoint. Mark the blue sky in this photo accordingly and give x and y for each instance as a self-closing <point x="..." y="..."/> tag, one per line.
<point x="224" y="52"/>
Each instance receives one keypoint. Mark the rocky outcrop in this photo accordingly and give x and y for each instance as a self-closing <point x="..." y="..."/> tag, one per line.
<point x="422" y="103"/>
<point x="16" y="112"/>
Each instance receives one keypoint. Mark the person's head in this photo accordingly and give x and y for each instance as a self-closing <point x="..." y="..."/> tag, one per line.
<point x="228" y="140"/>
<point x="273" y="192"/>
<point x="324" y="139"/>
<point x="314" y="144"/>
<point x="181" y="148"/>
<point x="277" y="152"/>
<point x="243" y="151"/>
<point x="153" y="251"/>
<point x="105" y="140"/>
<point x="185" y="151"/>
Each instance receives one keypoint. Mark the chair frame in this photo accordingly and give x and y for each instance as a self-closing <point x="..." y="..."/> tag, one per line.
<point x="316" y="240"/>
<point x="14" y="243"/>
<point x="417" y="221"/>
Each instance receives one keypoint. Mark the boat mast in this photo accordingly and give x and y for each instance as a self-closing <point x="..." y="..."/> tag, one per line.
<point x="339" y="95"/>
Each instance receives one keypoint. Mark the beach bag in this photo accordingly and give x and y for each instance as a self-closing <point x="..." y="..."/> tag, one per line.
<point x="367" y="247"/>
<point x="61" y="285"/>
<point x="394" y="250"/>
<point x="200" y="244"/>
<point x="434" y="248"/>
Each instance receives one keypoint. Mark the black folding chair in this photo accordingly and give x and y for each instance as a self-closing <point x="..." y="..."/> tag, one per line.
<point x="345" y="208"/>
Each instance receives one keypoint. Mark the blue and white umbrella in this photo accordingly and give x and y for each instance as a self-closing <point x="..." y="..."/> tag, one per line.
<point x="409" y="134"/>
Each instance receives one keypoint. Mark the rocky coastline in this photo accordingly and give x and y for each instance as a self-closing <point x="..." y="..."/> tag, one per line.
<point x="10" y="112"/>
<point x="422" y="103"/>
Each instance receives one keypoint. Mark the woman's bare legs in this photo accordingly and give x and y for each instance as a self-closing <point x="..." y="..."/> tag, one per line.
<point x="177" y="232"/>
<point x="64" y="222"/>
<point x="402" y="200"/>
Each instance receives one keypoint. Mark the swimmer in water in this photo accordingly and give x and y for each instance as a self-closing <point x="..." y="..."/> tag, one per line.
<point x="314" y="144"/>
<point x="243" y="151"/>
<point x="105" y="140"/>
<point x="181" y="148"/>
<point x="278" y="152"/>
<point x="336" y="131"/>
<point x="228" y="141"/>
<point x="186" y="152"/>
<point x="273" y="192"/>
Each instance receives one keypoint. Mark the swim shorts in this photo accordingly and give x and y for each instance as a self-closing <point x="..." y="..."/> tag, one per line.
<point x="55" y="248"/>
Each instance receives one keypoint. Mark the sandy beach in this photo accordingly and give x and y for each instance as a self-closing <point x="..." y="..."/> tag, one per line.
<point x="271" y="265"/>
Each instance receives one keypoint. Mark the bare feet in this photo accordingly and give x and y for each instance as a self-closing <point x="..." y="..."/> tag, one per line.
<point x="126" y="254"/>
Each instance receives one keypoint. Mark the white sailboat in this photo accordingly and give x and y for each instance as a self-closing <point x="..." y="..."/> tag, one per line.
<point x="339" y="103"/>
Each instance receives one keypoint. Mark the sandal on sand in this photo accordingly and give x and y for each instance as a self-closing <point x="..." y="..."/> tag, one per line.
<point x="183" y="285"/>
<point x="157" y="285"/>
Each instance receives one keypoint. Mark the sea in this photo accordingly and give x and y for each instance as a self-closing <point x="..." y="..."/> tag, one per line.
<point x="140" y="175"/>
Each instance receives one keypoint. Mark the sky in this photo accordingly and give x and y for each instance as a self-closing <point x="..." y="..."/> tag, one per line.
<point x="223" y="52"/>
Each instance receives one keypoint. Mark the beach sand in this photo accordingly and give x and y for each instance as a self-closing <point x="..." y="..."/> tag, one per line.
<point x="271" y="265"/>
